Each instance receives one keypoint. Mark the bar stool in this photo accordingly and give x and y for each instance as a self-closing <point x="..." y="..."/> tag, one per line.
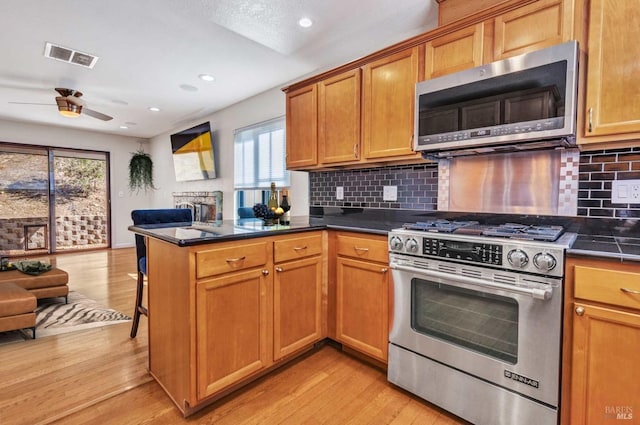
<point x="170" y="216"/>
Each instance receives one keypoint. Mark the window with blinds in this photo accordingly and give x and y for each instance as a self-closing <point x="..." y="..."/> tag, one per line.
<point x="259" y="156"/>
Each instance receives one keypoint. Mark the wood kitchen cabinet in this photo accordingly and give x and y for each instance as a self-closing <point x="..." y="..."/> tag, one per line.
<point x="301" y="125"/>
<point x="532" y="27"/>
<point x="612" y="106"/>
<point x="232" y="323"/>
<point x="223" y="314"/>
<point x="362" y="294"/>
<point x="457" y="51"/>
<point x="388" y="105"/>
<point x="233" y="300"/>
<point x="604" y="316"/>
<point x="362" y="115"/>
<point x="339" y="118"/>
<point x="297" y="294"/>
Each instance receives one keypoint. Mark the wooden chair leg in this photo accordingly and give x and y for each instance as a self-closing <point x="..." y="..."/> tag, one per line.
<point x="139" y="309"/>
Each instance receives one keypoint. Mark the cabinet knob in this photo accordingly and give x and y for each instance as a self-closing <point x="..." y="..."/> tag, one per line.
<point x="278" y="269"/>
<point x="383" y="270"/>
<point x="579" y="311"/>
<point x="265" y="272"/>
<point x="590" y="120"/>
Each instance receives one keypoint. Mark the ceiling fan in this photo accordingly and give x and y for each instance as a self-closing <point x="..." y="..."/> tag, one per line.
<point x="70" y="105"/>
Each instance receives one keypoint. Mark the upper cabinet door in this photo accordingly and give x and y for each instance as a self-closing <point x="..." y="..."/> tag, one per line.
<point x="389" y="97"/>
<point x="339" y="118"/>
<point x="532" y="27"/>
<point x="457" y="51"/>
<point x="302" y="136"/>
<point x="613" y="83"/>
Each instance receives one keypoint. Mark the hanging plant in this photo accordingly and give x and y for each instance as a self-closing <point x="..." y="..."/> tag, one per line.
<point x="140" y="172"/>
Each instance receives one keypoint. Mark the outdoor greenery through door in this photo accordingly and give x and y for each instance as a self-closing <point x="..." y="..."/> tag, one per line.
<point x="52" y="200"/>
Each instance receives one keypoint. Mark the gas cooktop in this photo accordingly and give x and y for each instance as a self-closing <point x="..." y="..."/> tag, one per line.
<point x="547" y="233"/>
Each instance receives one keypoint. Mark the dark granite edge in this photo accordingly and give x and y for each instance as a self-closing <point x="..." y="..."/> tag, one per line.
<point x="603" y="255"/>
<point x="221" y="237"/>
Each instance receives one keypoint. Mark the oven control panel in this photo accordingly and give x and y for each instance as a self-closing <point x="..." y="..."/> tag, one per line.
<point x="541" y="258"/>
<point x="477" y="252"/>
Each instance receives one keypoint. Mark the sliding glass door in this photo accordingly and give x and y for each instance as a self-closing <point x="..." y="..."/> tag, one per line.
<point x="80" y="201"/>
<point x="52" y="200"/>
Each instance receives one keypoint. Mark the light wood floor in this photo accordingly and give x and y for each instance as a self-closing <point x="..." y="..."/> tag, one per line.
<point x="100" y="375"/>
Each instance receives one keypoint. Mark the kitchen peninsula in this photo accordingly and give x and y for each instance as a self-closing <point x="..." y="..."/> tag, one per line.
<point x="230" y="301"/>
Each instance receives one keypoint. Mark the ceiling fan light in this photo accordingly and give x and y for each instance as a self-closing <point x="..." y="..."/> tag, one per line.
<point x="69" y="114"/>
<point x="68" y="109"/>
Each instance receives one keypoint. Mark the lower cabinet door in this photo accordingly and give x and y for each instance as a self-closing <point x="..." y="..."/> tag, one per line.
<point x="297" y="307"/>
<point x="605" y="380"/>
<point x="232" y="329"/>
<point x="362" y="320"/>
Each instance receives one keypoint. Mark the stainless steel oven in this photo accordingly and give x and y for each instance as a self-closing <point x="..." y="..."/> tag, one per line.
<point x="477" y="324"/>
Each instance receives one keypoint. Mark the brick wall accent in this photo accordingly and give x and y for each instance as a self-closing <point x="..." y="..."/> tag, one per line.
<point x="71" y="232"/>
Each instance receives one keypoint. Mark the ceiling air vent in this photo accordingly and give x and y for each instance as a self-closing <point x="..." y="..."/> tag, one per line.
<point x="65" y="54"/>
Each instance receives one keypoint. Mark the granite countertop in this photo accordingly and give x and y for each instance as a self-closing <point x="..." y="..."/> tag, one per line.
<point x="597" y="237"/>
<point x="188" y="234"/>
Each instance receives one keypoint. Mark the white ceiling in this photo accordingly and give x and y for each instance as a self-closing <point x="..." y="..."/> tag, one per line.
<point x="148" y="49"/>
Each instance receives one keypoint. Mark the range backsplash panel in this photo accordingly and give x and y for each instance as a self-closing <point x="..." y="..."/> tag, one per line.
<point x="418" y="185"/>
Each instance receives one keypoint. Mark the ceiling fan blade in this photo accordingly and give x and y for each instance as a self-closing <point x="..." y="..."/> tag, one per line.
<point x="96" y="114"/>
<point x="31" y="103"/>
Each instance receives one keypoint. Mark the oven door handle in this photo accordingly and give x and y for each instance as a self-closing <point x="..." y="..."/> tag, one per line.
<point x="537" y="293"/>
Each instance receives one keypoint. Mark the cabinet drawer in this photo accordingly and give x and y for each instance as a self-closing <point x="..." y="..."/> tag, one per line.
<point x="293" y="248"/>
<point x="231" y="258"/>
<point x="363" y="248"/>
<point x="607" y="286"/>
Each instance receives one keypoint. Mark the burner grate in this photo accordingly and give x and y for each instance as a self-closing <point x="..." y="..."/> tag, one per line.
<point x="444" y="226"/>
<point x="523" y="231"/>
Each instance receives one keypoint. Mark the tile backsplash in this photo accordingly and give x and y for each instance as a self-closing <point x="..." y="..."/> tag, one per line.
<point x="598" y="169"/>
<point x="418" y="185"/>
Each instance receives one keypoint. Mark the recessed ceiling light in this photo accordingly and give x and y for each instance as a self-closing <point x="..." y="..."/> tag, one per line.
<point x="305" y="22"/>
<point x="154" y="109"/>
<point x="124" y="127"/>
<point x="206" y="77"/>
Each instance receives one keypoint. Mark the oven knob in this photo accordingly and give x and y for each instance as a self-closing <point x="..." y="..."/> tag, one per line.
<point x="518" y="258"/>
<point x="412" y="246"/>
<point x="544" y="261"/>
<point x="395" y="243"/>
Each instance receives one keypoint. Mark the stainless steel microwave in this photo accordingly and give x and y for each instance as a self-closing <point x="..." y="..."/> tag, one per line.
<point x="523" y="102"/>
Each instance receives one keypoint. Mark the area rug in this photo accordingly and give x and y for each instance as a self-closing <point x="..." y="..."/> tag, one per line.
<point x="54" y="317"/>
